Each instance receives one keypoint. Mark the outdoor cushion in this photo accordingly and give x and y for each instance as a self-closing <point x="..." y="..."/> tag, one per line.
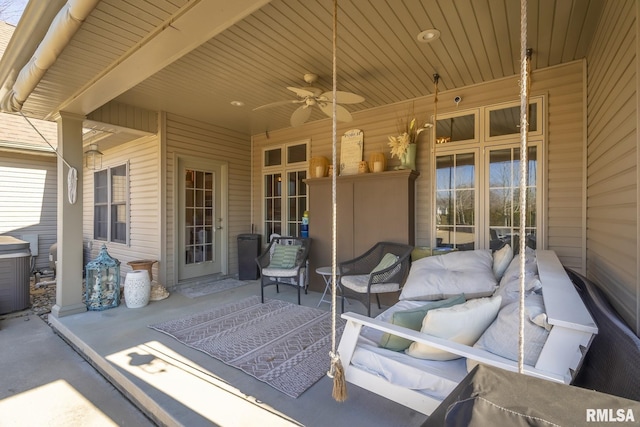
<point x="462" y="323"/>
<point x="387" y="261"/>
<point x="284" y="256"/>
<point x="501" y="260"/>
<point x="359" y="283"/>
<point x="439" y="277"/>
<point x="501" y="337"/>
<point x="412" y="319"/>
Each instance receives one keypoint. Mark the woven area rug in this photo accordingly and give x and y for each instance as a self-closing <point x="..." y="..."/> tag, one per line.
<point x="282" y="344"/>
<point x="199" y="288"/>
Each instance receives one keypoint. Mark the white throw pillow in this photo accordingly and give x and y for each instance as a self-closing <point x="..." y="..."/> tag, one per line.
<point x="441" y="277"/>
<point x="501" y="337"/>
<point x="501" y="260"/>
<point x="462" y="323"/>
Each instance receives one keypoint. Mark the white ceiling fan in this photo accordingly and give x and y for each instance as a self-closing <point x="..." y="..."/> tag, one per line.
<point x="310" y="96"/>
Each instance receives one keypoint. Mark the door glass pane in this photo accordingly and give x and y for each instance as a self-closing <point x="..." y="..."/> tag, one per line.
<point x="456" y="201"/>
<point x="297" y="201"/>
<point x="504" y="198"/>
<point x="199" y="207"/>
<point x="273" y="203"/>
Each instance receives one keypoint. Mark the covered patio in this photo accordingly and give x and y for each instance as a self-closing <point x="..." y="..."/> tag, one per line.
<point x="177" y="385"/>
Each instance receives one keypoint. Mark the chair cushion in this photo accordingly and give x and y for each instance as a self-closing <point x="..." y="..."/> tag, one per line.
<point x="279" y="272"/>
<point x="462" y="323"/>
<point x="387" y="261"/>
<point x="284" y="256"/>
<point x="439" y="277"/>
<point x="412" y="319"/>
<point x="358" y="283"/>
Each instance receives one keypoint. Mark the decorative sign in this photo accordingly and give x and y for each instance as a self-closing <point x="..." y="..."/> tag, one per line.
<point x="351" y="152"/>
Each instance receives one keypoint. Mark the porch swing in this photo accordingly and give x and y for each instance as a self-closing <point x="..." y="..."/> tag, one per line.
<point x="572" y="327"/>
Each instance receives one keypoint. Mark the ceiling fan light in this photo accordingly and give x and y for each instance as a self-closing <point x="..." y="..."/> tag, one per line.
<point x="427" y="36"/>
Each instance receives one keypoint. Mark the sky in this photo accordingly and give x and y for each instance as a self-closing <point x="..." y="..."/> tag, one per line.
<point x="11" y="10"/>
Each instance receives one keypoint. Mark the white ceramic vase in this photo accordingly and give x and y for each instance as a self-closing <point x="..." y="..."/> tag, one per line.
<point x="137" y="288"/>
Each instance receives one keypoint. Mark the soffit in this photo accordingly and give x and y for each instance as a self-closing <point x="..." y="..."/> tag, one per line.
<point x="379" y="58"/>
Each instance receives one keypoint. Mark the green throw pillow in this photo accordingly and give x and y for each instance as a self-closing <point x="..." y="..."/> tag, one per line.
<point x="420" y="252"/>
<point x="412" y="319"/>
<point x="387" y="261"/>
<point x="284" y="256"/>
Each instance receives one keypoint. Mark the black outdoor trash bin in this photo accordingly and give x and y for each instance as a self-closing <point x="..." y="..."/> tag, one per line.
<point x="248" y="249"/>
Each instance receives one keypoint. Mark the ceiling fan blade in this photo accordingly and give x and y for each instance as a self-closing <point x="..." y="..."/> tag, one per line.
<point x="342" y="114"/>
<point x="343" y="97"/>
<point x="302" y="92"/>
<point x="278" y="103"/>
<point x="300" y="115"/>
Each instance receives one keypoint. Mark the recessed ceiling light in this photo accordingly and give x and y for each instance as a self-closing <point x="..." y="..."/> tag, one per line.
<point x="427" y="36"/>
<point x="237" y="103"/>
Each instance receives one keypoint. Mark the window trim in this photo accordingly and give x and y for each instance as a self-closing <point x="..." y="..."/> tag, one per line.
<point x="538" y="101"/>
<point x="482" y="143"/>
<point x="110" y="204"/>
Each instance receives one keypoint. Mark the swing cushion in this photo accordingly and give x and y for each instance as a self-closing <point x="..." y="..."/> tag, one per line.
<point x="412" y="319"/>
<point x="462" y="323"/>
<point x="501" y="337"/>
<point x="501" y="260"/>
<point x="445" y="276"/>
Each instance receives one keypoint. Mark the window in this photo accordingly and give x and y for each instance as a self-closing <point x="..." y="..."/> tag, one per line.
<point x="477" y="177"/>
<point x="111" y="207"/>
<point x="285" y="193"/>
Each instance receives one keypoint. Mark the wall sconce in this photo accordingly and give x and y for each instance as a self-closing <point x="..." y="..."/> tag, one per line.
<point x="93" y="157"/>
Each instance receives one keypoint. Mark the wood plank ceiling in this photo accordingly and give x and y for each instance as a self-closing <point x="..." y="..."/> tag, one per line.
<point x="255" y="59"/>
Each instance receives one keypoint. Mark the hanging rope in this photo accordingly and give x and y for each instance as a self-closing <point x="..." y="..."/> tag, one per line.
<point x="524" y="127"/>
<point x="436" y="78"/>
<point x="72" y="176"/>
<point x="335" y="371"/>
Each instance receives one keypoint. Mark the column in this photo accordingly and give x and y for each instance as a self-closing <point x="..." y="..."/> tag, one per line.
<point x="69" y="298"/>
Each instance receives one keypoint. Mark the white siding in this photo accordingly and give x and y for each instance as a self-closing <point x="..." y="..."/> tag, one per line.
<point x="28" y="199"/>
<point x="187" y="137"/>
<point x="612" y="165"/>
<point x="563" y="86"/>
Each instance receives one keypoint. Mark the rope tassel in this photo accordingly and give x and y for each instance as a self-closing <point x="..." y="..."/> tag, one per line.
<point x="339" y="383"/>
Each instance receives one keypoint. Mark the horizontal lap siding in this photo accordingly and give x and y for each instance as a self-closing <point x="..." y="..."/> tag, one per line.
<point x="563" y="86"/>
<point x="28" y="204"/>
<point x="144" y="227"/>
<point x="612" y="164"/>
<point x="191" y="138"/>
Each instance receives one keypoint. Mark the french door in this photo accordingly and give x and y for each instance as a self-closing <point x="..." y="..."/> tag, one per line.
<point x="477" y="201"/>
<point x="201" y="231"/>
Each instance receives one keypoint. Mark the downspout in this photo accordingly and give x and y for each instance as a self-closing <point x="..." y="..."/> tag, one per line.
<point x="64" y="25"/>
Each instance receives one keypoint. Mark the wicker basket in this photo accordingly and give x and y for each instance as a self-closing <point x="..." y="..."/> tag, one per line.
<point x="317" y="165"/>
<point x="377" y="162"/>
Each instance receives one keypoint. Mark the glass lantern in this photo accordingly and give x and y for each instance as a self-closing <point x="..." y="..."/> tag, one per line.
<point x="102" y="285"/>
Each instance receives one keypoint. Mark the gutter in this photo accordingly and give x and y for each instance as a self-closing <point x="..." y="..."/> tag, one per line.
<point x="17" y="86"/>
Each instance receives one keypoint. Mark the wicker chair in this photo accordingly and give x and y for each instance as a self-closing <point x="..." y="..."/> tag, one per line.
<point x="281" y="264"/>
<point x="382" y="269"/>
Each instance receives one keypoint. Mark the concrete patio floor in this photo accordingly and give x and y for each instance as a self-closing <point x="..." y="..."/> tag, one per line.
<point x="177" y="385"/>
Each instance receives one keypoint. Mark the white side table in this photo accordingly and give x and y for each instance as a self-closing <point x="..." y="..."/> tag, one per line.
<point x="325" y="272"/>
